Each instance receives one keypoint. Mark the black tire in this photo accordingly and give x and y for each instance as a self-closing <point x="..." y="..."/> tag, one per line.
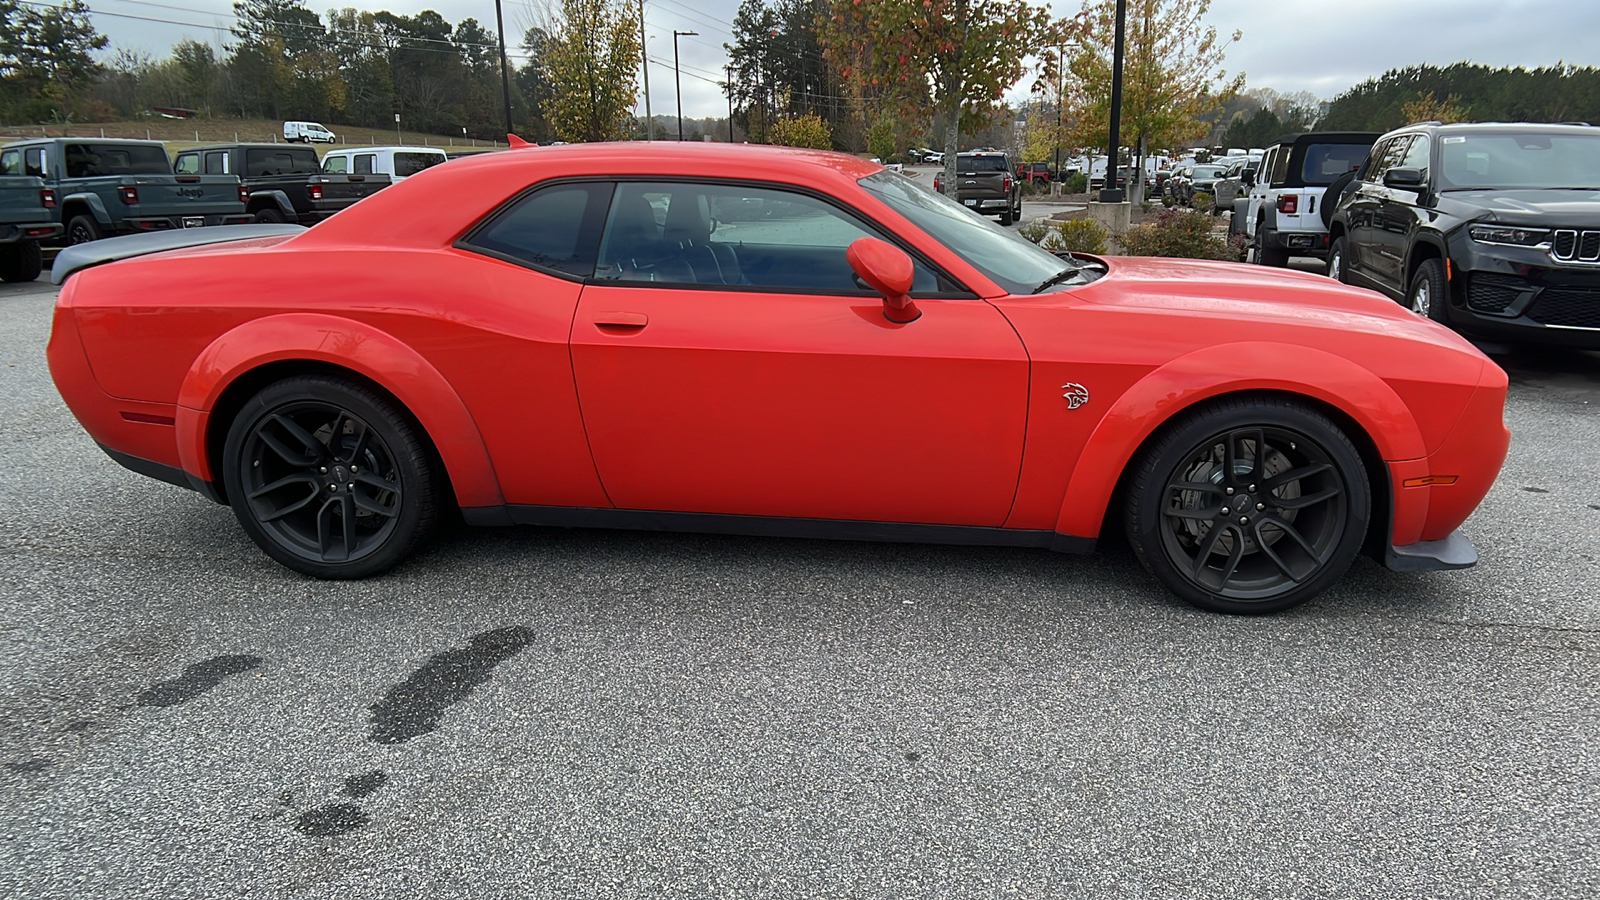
<point x="1306" y="504"/>
<point x="1268" y="256"/>
<point x="1339" y="260"/>
<point x="270" y="215"/>
<point x="21" y="262"/>
<point x="1006" y="218"/>
<point x="82" y="230"/>
<point x="1331" y="197"/>
<point x="293" y="468"/>
<point x="1429" y="293"/>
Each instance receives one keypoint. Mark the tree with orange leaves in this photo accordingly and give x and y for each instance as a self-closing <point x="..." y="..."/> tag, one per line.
<point x="951" y="57"/>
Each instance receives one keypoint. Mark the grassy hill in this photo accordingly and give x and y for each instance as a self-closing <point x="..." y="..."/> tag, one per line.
<point x="179" y="133"/>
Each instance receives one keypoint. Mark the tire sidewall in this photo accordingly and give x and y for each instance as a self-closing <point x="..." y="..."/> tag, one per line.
<point x="1432" y="271"/>
<point x="418" y="492"/>
<point x="1143" y="519"/>
<point x="87" y="224"/>
<point x="1339" y="252"/>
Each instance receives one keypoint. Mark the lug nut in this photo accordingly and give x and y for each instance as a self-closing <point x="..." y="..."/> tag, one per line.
<point x="1252" y="488"/>
<point x="322" y="469"/>
<point x="333" y="487"/>
<point x="1244" y="520"/>
<point x="1230" y="492"/>
<point x="1225" y="510"/>
<point x="1260" y="507"/>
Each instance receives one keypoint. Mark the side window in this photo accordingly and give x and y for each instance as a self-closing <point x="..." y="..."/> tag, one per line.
<point x="81" y="162"/>
<point x="1393" y="152"/>
<point x="1280" y="165"/>
<point x="216" y="163"/>
<point x="336" y="165"/>
<point x="34" y="162"/>
<point x="187" y="164"/>
<point x="555" y="228"/>
<point x="1417" y="156"/>
<point x="364" y="163"/>
<point x="735" y="235"/>
<point x="11" y="162"/>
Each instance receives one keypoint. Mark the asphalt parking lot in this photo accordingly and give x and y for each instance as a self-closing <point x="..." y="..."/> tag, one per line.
<point x="549" y="713"/>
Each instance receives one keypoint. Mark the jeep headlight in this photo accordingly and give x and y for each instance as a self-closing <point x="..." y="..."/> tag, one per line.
<point x="1510" y="235"/>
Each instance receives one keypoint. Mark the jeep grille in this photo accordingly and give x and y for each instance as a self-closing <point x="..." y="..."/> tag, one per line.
<point x="1571" y="245"/>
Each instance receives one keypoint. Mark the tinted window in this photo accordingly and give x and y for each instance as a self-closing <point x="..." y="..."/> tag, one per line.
<point x="1325" y="162"/>
<point x="92" y="160"/>
<point x="968" y="164"/>
<point x="299" y="161"/>
<point x="733" y="234"/>
<point x="11" y="162"/>
<point x="1529" y="160"/>
<point x="187" y="164"/>
<point x="556" y="228"/>
<point x="34" y="162"/>
<point x="1280" y="165"/>
<point x="412" y="163"/>
<point x="336" y="165"/>
<point x="1417" y="155"/>
<point x="1393" y="152"/>
<point x="364" y="163"/>
<point x="216" y="163"/>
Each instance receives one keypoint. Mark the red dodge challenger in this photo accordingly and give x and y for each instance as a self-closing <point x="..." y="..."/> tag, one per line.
<point x="755" y="340"/>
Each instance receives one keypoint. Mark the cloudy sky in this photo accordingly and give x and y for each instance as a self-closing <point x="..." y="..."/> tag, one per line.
<point x="1288" y="45"/>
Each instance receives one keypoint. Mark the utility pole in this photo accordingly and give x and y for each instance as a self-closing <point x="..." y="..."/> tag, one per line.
<point x="505" y="75"/>
<point x="730" y="104"/>
<point x="644" y="55"/>
<point x="1108" y="188"/>
<point x="1061" y="88"/>
<point x="677" y="78"/>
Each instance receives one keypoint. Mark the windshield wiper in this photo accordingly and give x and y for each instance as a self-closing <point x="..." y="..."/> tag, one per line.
<point x="1057" y="278"/>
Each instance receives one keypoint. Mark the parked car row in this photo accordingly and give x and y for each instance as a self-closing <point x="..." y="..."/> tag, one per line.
<point x="82" y="189"/>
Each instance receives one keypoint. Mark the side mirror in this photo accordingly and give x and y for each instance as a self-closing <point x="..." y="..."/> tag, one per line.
<point x="1248" y="179"/>
<point x="886" y="269"/>
<point x="1409" y="179"/>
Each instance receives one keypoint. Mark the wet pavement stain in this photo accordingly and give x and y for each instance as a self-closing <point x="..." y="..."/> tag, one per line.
<point x="413" y="708"/>
<point x="196" y="680"/>
<point x="332" y="820"/>
<point x="359" y="786"/>
<point x="1534" y="490"/>
<point x="29" y="766"/>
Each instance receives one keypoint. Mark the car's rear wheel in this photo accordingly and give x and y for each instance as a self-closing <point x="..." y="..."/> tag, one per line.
<point x="1429" y="291"/>
<point x="269" y="215"/>
<point x="329" y="477"/>
<point x="1265" y="255"/>
<point x="1249" y="505"/>
<point x="1336" y="260"/>
<point x="82" y="230"/>
<point x="21" y="261"/>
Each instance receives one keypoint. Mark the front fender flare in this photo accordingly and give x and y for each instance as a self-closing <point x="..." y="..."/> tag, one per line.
<point x="352" y="345"/>
<point x="1226" y="369"/>
<point x="97" y="207"/>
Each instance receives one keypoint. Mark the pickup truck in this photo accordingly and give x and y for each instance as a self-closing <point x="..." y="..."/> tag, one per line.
<point x="281" y="183"/>
<point x="984" y="184"/>
<point x="108" y="187"/>
<point x="26" y="207"/>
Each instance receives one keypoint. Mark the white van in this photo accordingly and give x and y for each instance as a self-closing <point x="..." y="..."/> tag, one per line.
<point x="310" y="132"/>
<point x="395" y="162"/>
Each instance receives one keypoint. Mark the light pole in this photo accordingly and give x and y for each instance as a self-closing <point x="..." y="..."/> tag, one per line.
<point x="730" y="104"/>
<point x="505" y="76"/>
<point x="644" y="56"/>
<point x="677" y="79"/>
<point x="1108" y="188"/>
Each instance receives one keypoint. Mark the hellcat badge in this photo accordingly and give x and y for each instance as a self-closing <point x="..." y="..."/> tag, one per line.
<point x="1076" y="395"/>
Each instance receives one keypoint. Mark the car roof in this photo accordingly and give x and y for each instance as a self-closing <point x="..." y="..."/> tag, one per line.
<point x="1501" y="127"/>
<point x="86" y="140"/>
<point x="249" y="145"/>
<point x="395" y="147"/>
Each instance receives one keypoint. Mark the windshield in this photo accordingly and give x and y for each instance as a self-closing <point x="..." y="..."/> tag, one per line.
<point x="1008" y="260"/>
<point x="412" y="163"/>
<point x="967" y="165"/>
<point x="1475" y="161"/>
<point x="1208" y="171"/>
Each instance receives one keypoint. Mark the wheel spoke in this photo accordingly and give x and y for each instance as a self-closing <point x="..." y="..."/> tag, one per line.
<point x="325" y="533"/>
<point x="1178" y="512"/>
<point x="1307" y="500"/>
<point x="364" y="502"/>
<point x="373" y="481"/>
<point x="1233" y="557"/>
<point x="1269" y="553"/>
<point x="360" y="445"/>
<point x="293" y="507"/>
<point x="1296" y="536"/>
<point x="285" y="481"/>
<point x="1204" y="551"/>
<point x="306" y="438"/>
<point x="347" y="513"/>
<point x="1282" y="478"/>
<point x="1234" y="445"/>
<point x="1200" y="487"/>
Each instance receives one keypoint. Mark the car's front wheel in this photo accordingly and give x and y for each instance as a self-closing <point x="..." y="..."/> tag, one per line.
<point x="329" y="477"/>
<point x="1428" y="297"/>
<point x="1248" y="505"/>
<point x="1336" y="260"/>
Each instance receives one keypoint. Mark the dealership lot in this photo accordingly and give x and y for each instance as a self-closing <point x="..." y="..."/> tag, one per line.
<point x="535" y="712"/>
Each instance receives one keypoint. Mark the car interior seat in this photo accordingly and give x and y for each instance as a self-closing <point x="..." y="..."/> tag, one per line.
<point x="688" y="226"/>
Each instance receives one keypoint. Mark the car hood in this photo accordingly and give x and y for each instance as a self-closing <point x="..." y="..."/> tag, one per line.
<point x="1530" y="207"/>
<point x="1268" y="295"/>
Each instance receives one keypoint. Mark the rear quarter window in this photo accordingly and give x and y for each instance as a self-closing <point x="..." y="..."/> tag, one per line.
<point x="299" y="161"/>
<point x="412" y="163"/>
<point x="556" y="228"/>
<point x="1325" y="162"/>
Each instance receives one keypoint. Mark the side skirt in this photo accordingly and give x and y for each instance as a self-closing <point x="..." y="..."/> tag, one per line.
<point x="775" y="526"/>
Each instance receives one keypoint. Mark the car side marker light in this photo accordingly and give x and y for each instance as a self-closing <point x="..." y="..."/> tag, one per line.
<point x="1429" y="479"/>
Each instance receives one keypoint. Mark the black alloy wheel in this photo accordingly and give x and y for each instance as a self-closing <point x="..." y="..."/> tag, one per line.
<point x="269" y="215"/>
<point x="82" y="230"/>
<point x="1249" y="505"/>
<point x="329" y="477"/>
<point x="1268" y="256"/>
<point x="1338" y="262"/>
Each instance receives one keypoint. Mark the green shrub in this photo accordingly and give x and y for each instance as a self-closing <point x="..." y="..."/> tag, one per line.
<point x="1080" y="235"/>
<point x="1202" y="201"/>
<point x="1178" y="233"/>
<point x="1034" y="230"/>
<point x="1075" y="184"/>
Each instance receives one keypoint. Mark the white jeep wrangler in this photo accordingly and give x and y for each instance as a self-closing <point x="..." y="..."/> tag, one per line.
<point x="1281" y="215"/>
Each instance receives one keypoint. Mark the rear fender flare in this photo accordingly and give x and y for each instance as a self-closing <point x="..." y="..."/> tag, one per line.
<point x="262" y="198"/>
<point x="97" y="207"/>
<point x="1227" y="369"/>
<point x="352" y="345"/>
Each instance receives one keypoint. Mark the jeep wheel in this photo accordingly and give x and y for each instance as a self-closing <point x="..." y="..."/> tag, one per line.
<point x="269" y="215"/>
<point x="1268" y="256"/>
<point x="21" y="262"/>
<point x="82" y="230"/>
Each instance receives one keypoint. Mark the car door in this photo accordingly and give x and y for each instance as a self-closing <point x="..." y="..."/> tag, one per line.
<point x="1364" y="213"/>
<point x="728" y="362"/>
<point x="1401" y="215"/>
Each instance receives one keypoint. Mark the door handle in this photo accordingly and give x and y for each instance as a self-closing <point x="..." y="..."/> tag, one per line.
<point x="621" y="320"/>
